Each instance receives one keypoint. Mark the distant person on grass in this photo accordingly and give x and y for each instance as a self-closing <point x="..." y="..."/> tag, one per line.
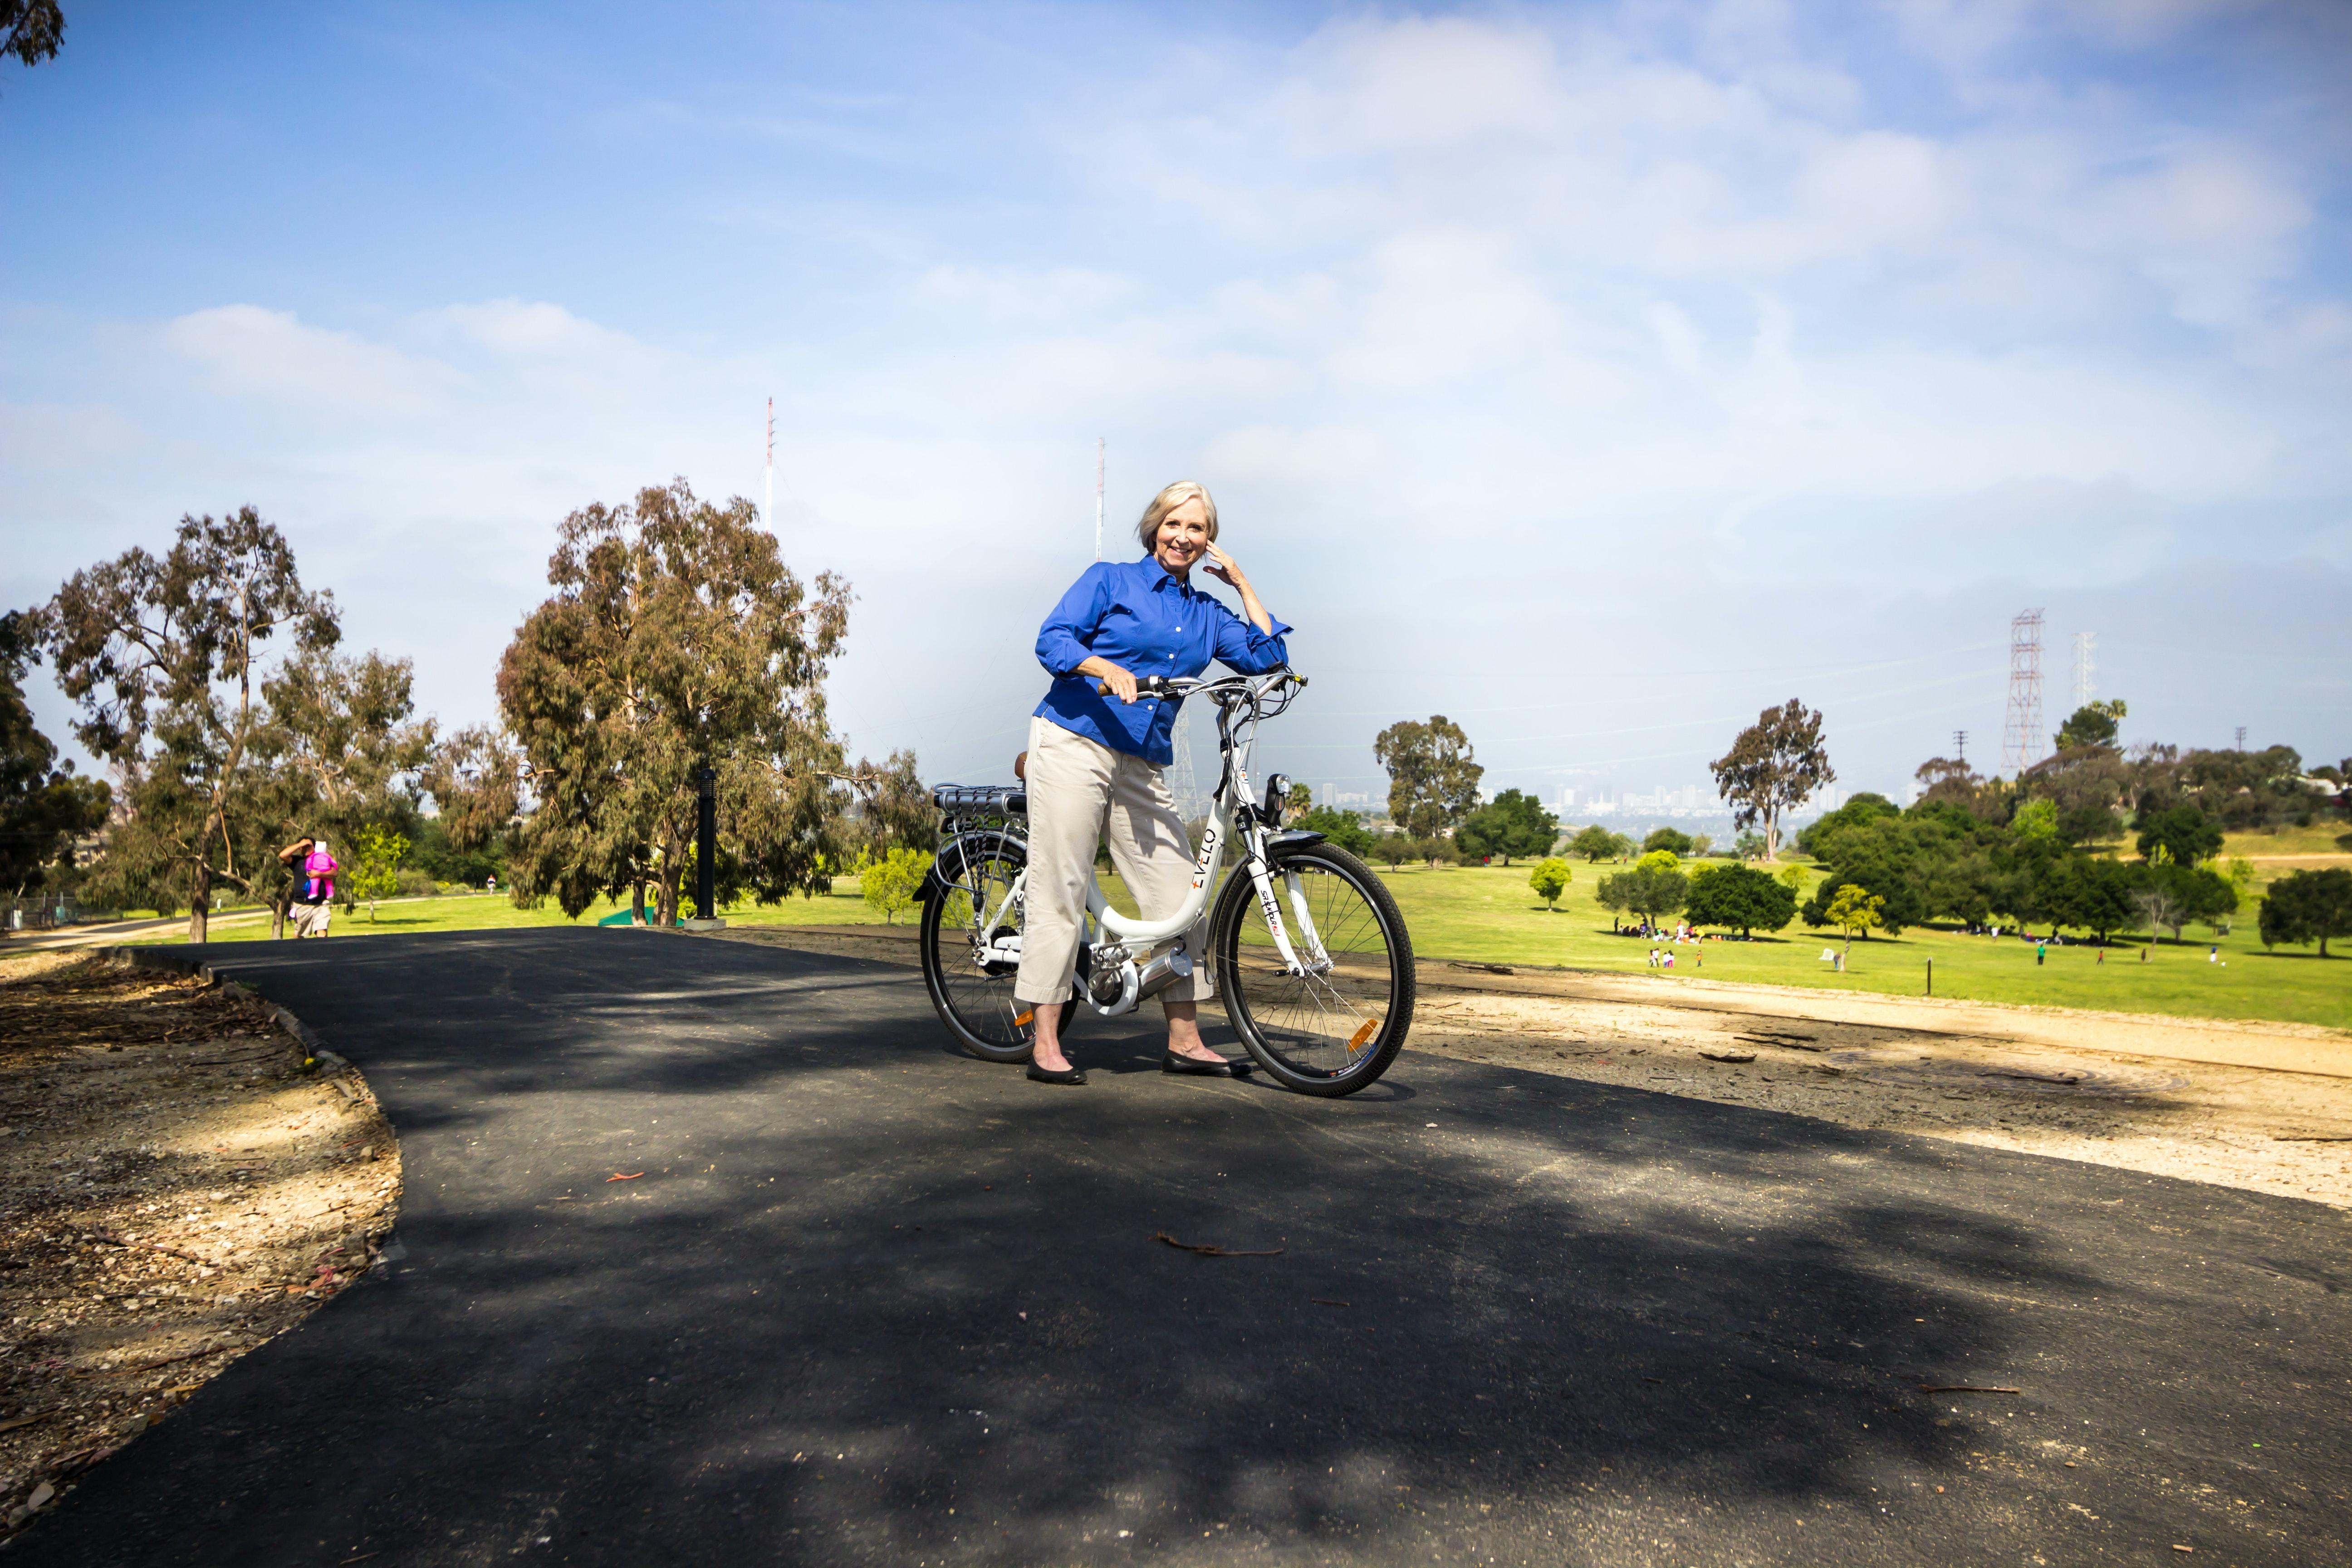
<point x="314" y="885"/>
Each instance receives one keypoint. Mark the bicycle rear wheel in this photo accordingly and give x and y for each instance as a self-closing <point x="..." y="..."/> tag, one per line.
<point x="1336" y="1028"/>
<point x="974" y="993"/>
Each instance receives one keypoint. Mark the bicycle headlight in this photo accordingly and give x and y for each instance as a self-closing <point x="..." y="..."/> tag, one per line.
<point x="1277" y="790"/>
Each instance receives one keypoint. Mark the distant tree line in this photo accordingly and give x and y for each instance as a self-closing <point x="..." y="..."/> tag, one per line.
<point x="2048" y="847"/>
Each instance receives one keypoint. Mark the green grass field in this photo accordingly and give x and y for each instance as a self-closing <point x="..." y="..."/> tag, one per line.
<point x="482" y="913"/>
<point x="1488" y="914"/>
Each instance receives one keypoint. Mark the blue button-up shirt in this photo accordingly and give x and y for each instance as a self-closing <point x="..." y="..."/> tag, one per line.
<point x="1137" y="615"/>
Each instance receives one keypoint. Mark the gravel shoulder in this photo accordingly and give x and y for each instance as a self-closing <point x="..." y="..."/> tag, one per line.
<point x="2266" y="1107"/>
<point x="177" y="1188"/>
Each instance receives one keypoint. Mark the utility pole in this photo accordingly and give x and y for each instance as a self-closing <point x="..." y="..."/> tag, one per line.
<point x="768" y="500"/>
<point x="1099" y="497"/>
<point x="2021" y="736"/>
<point x="2241" y="737"/>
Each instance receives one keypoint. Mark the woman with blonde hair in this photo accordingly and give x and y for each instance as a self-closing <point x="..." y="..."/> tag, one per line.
<point x="1093" y="767"/>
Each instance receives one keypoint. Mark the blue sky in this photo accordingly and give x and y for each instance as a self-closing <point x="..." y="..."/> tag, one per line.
<point x="1594" y="374"/>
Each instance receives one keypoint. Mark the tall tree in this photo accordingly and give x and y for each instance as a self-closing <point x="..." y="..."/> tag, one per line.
<point x="1597" y="843"/>
<point x="1513" y="824"/>
<point x="31" y="30"/>
<point x="2093" y="724"/>
<point x="676" y="639"/>
<point x="2304" y="905"/>
<point x="1855" y="909"/>
<point x="2183" y="833"/>
<point x="1433" y="777"/>
<point x="346" y="729"/>
<point x="166" y="659"/>
<point x="1774" y="766"/>
<point x="1652" y="887"/>
<point x="43" y="806"/>
<point x="347" y="751"/>
<point x="1740" y="896"/>
<point x="476" y="780"/>
<point x="1672" y="840"/>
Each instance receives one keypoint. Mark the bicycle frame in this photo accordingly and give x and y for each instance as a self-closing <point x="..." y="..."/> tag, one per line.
<point x="1232" y="815"/>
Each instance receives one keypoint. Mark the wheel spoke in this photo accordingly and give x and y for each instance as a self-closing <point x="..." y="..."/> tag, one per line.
<point x="1324" y="1025"/>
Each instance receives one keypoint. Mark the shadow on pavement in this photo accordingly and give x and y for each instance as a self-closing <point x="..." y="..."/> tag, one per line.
<point x="870" y="1300"/>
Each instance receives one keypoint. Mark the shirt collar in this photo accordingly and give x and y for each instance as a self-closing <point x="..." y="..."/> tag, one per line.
<point x="1158" y="574"/>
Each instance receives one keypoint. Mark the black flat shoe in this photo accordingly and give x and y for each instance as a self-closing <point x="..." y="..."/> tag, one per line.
<point x="1194" y="1067"/>
<point x="1068" y="1075"/>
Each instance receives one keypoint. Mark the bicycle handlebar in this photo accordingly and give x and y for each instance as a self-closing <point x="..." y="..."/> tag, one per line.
<point x="1179" y="686"/>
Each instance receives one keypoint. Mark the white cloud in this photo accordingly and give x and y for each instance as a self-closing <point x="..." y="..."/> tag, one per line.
<point x="249" y="351"/>
<point x="1465" y="317"/>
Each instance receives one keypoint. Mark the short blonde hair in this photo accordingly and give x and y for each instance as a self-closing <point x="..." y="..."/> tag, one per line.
<point x="1168" y="500"/>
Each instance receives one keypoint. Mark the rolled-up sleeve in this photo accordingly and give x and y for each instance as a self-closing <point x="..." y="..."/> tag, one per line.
<point x="1066" y="639"/>
<point x="1241" y="646"/>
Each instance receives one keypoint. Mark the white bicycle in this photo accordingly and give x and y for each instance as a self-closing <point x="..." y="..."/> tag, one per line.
<point x="1312" y="963"/>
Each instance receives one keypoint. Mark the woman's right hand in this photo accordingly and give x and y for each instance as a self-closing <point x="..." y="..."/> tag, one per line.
<point x="1110" y="679"/>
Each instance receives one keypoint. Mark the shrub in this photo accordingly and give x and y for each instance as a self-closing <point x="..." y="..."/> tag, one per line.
<point x="1549" y="879"/>
<point x="1740" y="897"/>
<point x="891" y="879"/>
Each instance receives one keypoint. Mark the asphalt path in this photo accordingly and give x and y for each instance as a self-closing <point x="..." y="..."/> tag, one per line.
<point x="874" y="1302"/>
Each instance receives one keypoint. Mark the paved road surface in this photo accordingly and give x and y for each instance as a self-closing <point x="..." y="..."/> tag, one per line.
<point x="873" y="1302"/>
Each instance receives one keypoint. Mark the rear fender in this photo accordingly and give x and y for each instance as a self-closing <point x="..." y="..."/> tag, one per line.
<point x="982" y="841"/>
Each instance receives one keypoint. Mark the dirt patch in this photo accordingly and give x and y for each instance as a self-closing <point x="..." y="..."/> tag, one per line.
<point x="179" y="1188"/>
<point x="2263" y="1107"/>
<point x="2267" y="1130"/>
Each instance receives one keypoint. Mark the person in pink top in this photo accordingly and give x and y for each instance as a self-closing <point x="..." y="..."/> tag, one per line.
<point x="314" y="885"/>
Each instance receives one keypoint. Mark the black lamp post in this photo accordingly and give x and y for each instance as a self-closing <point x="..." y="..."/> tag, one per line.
<point x="706" y="840"/>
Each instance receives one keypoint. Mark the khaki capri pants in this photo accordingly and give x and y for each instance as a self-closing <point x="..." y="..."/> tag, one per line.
<point x="1081" y="794"/>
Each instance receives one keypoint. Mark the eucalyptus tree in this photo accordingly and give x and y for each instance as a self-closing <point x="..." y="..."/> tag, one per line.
<point x="676" y="639"/>
<point x="1774" y="766"/>
<point x="166" y="657"/>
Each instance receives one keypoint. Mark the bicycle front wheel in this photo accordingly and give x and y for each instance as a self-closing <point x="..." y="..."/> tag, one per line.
<point x="972" y="990"/>
<point x="1335" y="1027"/>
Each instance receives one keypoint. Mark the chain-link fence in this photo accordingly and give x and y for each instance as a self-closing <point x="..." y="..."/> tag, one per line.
<point x="48" y="914"/>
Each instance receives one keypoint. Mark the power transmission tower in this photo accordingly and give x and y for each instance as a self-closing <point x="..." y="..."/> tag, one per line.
<point x="2021" y="736"/>
<point x="767" y="499"/>
<point x="2086" y="669"/>
<point x="1190" y="802"/>
<point x="1959" y="745"/>
<point x="2241" y="737"/>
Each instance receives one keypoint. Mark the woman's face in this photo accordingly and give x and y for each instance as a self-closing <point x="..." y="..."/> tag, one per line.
<point x="1183" y="537"/>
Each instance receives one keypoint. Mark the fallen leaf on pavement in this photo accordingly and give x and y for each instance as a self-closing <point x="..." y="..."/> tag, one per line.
<point x="1213" y="1251"/>
<point x="1964" y="1388"/>
<point x="632" y="1177"/>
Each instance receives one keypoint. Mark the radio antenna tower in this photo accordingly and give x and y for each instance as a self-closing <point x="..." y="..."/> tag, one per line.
<point x="2086" y="667"/>
<point x="1098" y="496"/>
<point x="1190" y="803"/>
<point x="768" y="496"/>
<point x="2021" y="737"/>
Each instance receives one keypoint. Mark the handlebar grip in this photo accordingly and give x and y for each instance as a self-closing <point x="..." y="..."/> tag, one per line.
<point x="1145" y="686"/>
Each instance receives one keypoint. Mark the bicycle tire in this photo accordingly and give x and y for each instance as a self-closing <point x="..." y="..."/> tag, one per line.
<point x="1309" y="1032"/>
<point x="977" y="1007"/>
